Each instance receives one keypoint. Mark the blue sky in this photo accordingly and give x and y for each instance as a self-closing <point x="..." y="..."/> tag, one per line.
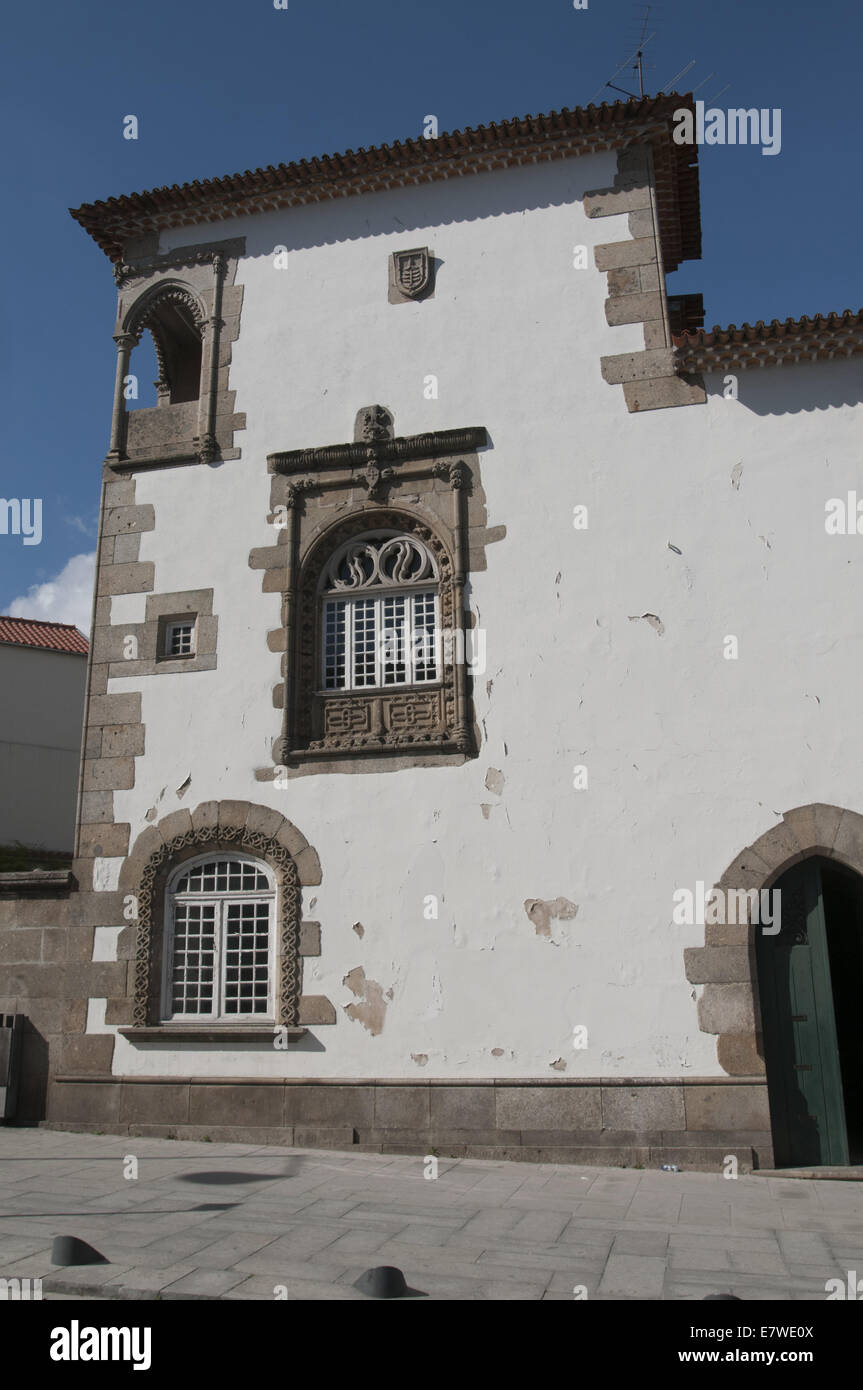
<point x="221" y="87"/>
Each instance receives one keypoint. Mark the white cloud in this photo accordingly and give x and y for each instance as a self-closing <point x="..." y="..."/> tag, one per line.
<point x="66" y="599"/>
<point x="85" y="527"/>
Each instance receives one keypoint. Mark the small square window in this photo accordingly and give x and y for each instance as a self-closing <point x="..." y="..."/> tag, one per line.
<point x="178" y="638"/>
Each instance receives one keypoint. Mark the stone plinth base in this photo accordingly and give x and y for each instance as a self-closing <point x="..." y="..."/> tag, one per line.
<point x="696" y="1123"/>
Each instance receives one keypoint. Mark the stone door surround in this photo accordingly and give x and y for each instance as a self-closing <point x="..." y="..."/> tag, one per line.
<point x="725" y="964"/>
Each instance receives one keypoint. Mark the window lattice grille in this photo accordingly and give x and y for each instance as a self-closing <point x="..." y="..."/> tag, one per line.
<point x="194" y="958"/>
<point x="377" y="642"/>
<point x="221" y="954"/>
<point x="384" y="631"/>
<point x="181" y="639"/>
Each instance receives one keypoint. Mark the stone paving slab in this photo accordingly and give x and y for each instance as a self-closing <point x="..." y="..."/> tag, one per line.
<point x="240" y="1221"/>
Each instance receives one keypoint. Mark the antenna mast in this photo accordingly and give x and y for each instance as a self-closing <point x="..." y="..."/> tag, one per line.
<point x="636" y="60"/>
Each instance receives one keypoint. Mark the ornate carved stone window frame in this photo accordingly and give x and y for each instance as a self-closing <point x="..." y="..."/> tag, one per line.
<point x="314" y="711"/>
<point x="151" y="881"/>
<point x="419" y="485"/>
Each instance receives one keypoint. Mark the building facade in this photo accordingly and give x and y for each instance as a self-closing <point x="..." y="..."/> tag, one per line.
<point x="464" y="615"/>
<point x="42" y="672"/>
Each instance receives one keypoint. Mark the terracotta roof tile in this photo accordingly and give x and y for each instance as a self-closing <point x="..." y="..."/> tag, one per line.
<point x="771" y="344"/>
<point x="523" y="140"/>
<point x="54" y="637"/>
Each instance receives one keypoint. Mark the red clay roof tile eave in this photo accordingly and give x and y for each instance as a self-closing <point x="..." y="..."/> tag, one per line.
<point x="822" y="336"/>
<point x="38" y="635"/>
<point x="115" y="221"/>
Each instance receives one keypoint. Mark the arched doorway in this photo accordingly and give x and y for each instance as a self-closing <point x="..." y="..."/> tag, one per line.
<point x="810" y="983"/>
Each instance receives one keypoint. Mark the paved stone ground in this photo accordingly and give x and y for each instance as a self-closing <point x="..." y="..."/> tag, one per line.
<point x="232" y="1221"/>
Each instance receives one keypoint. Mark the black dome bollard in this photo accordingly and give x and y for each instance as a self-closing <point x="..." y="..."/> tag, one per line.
<point x="69" y="1250"/>
<point x="385" y="1282"/>
<point x="721" y="1297"/>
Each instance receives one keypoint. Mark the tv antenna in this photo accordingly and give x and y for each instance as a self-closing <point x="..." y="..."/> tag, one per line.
<point x="636" y="63"/>
<point x="635" y="60"/>
<point x="671" y="83"/>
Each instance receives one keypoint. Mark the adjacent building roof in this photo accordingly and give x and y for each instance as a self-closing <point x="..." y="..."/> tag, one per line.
<point x="770" y="344"/>
<point x="523" y="140"/>
<point x="52" y="637"/>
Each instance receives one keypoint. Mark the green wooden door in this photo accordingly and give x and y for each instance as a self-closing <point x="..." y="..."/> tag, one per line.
<point x="801" y="1052"/>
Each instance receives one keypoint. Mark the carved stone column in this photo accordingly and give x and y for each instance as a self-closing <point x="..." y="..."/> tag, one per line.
<point x="207" y="446"/>
<point x="289" y="601"/>
<point x="125" y="343"/>
<point x="458" y="478"/>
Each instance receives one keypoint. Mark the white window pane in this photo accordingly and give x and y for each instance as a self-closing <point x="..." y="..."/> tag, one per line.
<point x="247" y="958"/>
<point x="180" y="639"/>
<point x="424" y="638"/>
<point x="334" y="645"/>
<point x="194" y="958"/>
<point x="393" y="641"/>
<point x="364" y="643"/>
<point x="220" y="965"/>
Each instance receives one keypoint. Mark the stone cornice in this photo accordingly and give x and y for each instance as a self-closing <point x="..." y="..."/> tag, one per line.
<point x="213" y="253"/>
<point x="115" y="222"/>
<point x="38" y="881"/>
<point x="435" y="445"/>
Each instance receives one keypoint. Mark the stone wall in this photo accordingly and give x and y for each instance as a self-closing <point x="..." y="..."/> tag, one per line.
<point x="39" y="958"/>
<point x="694" y="1122"/>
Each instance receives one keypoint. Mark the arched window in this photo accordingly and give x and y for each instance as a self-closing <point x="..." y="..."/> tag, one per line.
<point x="173" y="317"/>
<point x="220" y="940"/>
<point x="374" y="636"/>
<point x="379" y="614"/>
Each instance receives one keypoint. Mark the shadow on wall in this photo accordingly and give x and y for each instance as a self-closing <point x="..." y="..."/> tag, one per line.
<point x="791" y="389"/>
<point x="399" y="211"/>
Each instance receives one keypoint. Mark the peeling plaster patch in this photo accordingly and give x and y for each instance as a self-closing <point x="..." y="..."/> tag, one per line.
<point x="485" y="807"/>
<point x="541" y="913"/>
<point x="497" y="1052"/>
<point x="559" y="1065"/>
<point x="359" y="929"/>
<point x="489" y="686"/>
<point x="106" y="874"/>
<point x="152" y="813"/>
<point x="389" y="993"/>
<point x="421" y="1058"/>
<point x="371" y="1011"/>
<point x="184" y="787"/>
<point x="736" y="475"/>
<point x="675" y="548"/>
<point x="494" y="780"/>
<point x="656" y="623"/>
<point x="312" y="903"/>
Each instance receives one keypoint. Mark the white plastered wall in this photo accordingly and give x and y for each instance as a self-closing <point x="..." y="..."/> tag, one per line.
<point x="689" y="756"/>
